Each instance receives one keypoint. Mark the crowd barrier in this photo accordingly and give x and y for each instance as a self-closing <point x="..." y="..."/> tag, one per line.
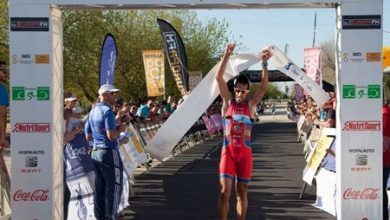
<point x="80" y="173"/>
<point x="316" y="141"/>
<point x="5" y="199"/>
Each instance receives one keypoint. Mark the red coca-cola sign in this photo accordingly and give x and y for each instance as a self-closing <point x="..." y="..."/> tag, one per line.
<point x="365" y="194"/>
<point x="36" y="195"/>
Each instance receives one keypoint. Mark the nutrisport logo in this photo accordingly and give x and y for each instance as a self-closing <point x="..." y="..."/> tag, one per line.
<point x="362" y="126"/>
<point x="31" y="128"/>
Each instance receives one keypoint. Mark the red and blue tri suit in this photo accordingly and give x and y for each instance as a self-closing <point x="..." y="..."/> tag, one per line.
<point x="236" y="156"/>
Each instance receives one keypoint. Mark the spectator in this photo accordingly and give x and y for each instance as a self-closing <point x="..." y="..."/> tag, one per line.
<point x="4" y="103"/>
<point x="154" y="116"/>
<point x="101" y="128"/>
<point x="143" y="111"/>
<point x="170" y="101"/>
<point x="70" y="103"/>
<point x="386" y="157"/>
<point x="273" y="108"/>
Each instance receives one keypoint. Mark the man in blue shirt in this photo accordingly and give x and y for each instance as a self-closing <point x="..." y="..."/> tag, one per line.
<point x="101" y="128"/>
<point x="4" y="103"/>
<point x="144" y="110"/>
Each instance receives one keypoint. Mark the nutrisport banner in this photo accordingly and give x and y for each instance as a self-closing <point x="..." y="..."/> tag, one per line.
<point x="359" y="95"/>
<point x="107" y="60"/>
<point x="176" y="55"/>
<point x="32" y="105"/>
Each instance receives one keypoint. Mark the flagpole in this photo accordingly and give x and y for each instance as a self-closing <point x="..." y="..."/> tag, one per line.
<point x="314" y="31"/>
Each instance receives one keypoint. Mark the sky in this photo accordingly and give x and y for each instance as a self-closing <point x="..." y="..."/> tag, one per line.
<point x="258" y="28"/>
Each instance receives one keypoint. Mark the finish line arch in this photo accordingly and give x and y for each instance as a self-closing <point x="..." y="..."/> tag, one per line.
<point x="37" y="125"/>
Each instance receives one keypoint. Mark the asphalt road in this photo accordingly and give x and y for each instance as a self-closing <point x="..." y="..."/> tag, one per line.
<point x="186" y="187"/>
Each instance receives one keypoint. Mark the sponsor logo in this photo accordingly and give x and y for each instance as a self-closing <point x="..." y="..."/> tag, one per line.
<point x="29" y="24"/>
<point x="31" y="161"/>
<point x="42" y="58"/>
<point x="22" y="93"/>
<point x="22" y="59"/>
<point x="362" y="150"/>
<point x="365" y="194"/>
<point x="361" y="169"/>
<point x="361" y="22"/>
<point x="31" y="128"/>
<point x="30" y="170"/>
<point x="358" y="92"/>
<point x="74" y="153"/>
<point x="362" y="126"/>
<point x="356" y="57"/>
<point x="297" y="72"/>
<point x="38" y="195"/>
<point x="174" y="59"/>
<point x="373" y="57"/>
<point x="361" y="159"/>
<point x="31" y="152"/>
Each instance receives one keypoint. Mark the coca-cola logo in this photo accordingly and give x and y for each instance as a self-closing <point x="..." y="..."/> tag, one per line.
<point x="365" y="194"/>
<point x="37" y="195"/>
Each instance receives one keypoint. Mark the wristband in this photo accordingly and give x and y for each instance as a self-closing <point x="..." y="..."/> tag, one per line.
<point x="264" y="65"/>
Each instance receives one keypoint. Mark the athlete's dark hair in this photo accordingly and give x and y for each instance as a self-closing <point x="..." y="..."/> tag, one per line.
<point x="243" y="80"/>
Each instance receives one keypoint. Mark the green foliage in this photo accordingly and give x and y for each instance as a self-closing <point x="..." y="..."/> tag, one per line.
<point x="4" y="31"/>
<point x="134" y="30"/>
<point x="273" y="92"/>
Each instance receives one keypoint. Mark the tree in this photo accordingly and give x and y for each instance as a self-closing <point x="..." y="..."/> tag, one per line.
<point x="328" y="68"/>
<point x="135" y="31"/>
<point x="273" y="92"/>
<point x="4" y="48"/>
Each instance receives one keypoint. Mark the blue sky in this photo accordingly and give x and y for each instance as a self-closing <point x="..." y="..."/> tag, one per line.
<point x="257" y="28"/>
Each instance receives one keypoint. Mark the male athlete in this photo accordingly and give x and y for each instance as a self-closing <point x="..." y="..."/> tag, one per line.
<point x="236" y="155"/>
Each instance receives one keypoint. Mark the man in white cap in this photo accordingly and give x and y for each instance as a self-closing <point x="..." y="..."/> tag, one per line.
<point x="102" y="129"/>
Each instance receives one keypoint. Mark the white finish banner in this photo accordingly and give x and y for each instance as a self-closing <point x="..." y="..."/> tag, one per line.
<point x="285" y="65"/>
<point x="194" y="106"/>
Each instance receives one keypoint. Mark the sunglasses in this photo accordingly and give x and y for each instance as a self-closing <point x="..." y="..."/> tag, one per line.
<point x="238" y="91"/>
<point x="113" y="93"/>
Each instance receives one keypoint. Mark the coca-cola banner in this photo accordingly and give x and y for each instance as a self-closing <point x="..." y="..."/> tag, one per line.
<point x="37" y="195"/>
<point x="313" y="64"/>
<point x="359" y="120"/>
<point x="35" y="101"/>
